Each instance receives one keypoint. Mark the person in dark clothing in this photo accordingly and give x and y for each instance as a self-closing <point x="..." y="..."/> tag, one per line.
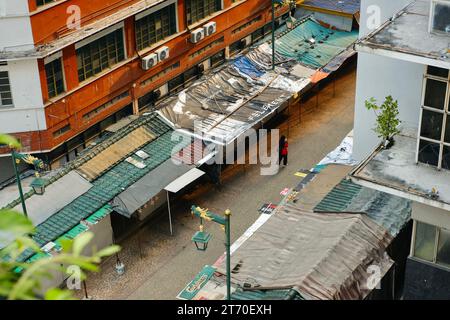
<point x="283" y="150"/>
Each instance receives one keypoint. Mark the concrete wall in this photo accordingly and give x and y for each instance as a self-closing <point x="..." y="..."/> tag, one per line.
<point x="341" y="23"/>
<point x="27" y="113"/>
<point x="431" y="215"/>
<point x="14" y="16"/>
<point x="379" y="77"/>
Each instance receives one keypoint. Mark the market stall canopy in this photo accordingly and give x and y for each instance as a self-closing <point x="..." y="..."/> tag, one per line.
<point x="141" y="192"/>
<point x="325" y="256"/>
<point x="57" y="195"/>
<point x="184" y="180"/>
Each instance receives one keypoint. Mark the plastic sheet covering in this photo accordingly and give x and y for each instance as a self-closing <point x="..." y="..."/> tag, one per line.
<point x="235" y="97"/>
<point x="324" y="256"/>
<point x="314" y="45"/>
<point x="224" y="105"/>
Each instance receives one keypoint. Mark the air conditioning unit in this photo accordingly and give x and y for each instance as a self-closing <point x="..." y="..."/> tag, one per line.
<point x="209" y="28"/>
<point x="149" y="61"/>
<point x="197" y="35"/>
<point x="440" y="17"/>
<point x="163" y="53"/>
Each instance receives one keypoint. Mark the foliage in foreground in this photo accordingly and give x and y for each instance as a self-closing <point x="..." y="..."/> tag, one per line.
<point x="23" y="281"/>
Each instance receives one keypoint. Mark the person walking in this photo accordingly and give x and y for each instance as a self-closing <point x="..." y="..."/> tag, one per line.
<point x="283" y="151"/>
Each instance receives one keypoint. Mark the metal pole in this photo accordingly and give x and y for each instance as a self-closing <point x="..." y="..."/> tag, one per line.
<point x="273" y="35"/>
<point x="19" y="183"/>
<point x="228" y="245"/>
<point x="170" y="214"/>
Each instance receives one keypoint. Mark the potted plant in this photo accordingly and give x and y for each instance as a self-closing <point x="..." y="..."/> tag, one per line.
<point x="387" y="119"/>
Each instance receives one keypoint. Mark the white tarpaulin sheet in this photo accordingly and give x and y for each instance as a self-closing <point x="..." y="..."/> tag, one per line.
<point x="342" y="154"/>
<point x="184" y="180"/>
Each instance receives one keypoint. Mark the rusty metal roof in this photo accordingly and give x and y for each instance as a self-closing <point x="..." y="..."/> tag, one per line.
<point x="325" y="256"/>
<point x="115" y="153"/>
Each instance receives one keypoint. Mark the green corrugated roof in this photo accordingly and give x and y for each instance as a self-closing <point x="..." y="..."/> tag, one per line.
<point x="287" y="294"/>
<point x="328" y="44"/>
<point x="109" y="185"/>
<point x="388" y="211"/>
<point x="339" y="198"/>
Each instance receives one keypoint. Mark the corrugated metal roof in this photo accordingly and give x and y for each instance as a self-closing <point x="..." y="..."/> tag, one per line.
<point x="110" y="184"/>
<point x="391" y="212"/>
<point x="313" y="45"/>
<point x="325" y="256"/>
<point x="265" y="295"/>
<point x="344" y="6"/>
<point x="115" y="153"/>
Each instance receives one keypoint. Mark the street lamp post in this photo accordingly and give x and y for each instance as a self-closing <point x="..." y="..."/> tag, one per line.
<point x="273" y="34"/>
<point x="16" y="161"/>
<point x="38" y="184"/>
<point x="201" y="238"/>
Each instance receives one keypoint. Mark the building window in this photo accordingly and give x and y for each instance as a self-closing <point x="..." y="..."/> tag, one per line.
<point x="247" y="24"/>
<point x="218" y="58"/>
<point x="40" y="3"/>
<point x="61" y="131"/>
<point x="100" y="54"/>
<point x="156" y="26"/>
<point x="91" y="114"/>
<point x="434" y="136"/>
<point x="5" y="90"/>
<point x="55" y="78"/>
<point x="432" y="244"/>
<point x="207" y="47"/>
<point x="199" y="9"/>
<point x="160" y="74"/>
<point x="424" y="242"/>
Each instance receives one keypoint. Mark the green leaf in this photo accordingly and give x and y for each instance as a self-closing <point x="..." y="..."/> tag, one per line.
<point x="108" y="251"/>
<point x="81" y="241"/>
<point x="9" y="141"/>
<point x="58" y="294"/>
<point x="14" y="222"/>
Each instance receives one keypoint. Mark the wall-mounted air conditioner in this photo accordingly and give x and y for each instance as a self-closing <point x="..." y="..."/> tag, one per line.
<point x="197" y="35"/>
<point x="149" y="61"/>
<point x="440" y="17"/>
<point x="163" y="53"/>
<point x="210" y="28"/>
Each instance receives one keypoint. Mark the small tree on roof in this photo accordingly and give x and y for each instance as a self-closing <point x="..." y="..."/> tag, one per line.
<point x="387" y="118"/>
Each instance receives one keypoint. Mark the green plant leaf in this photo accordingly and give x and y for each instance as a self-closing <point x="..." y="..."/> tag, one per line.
<point x="9" y="141"/>
<point x="108" y="251"/>
<point x="81" y="241"/>
<point x="58" y="294"/>
<point x="15" y="223"/>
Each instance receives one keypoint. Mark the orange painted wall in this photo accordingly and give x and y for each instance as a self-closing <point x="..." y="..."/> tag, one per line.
<point x="84" y="98"/>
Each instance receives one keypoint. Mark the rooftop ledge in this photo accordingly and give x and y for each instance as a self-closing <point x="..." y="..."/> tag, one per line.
<point x="396" y="172"/>
<point x="406" y="37"/>
<point x="42" y="51"/>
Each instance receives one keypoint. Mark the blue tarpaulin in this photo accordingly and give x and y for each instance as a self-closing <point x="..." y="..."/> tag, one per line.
<point x="247" y="67"/>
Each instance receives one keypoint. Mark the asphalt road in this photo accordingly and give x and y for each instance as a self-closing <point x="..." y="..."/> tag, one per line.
<point x="158" y="266"/>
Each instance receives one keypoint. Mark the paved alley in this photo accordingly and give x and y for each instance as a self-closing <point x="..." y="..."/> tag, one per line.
<point x="159" y="265"/>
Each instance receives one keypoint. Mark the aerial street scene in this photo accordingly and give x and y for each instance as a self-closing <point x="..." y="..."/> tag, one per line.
<point x="217" y="150"/>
